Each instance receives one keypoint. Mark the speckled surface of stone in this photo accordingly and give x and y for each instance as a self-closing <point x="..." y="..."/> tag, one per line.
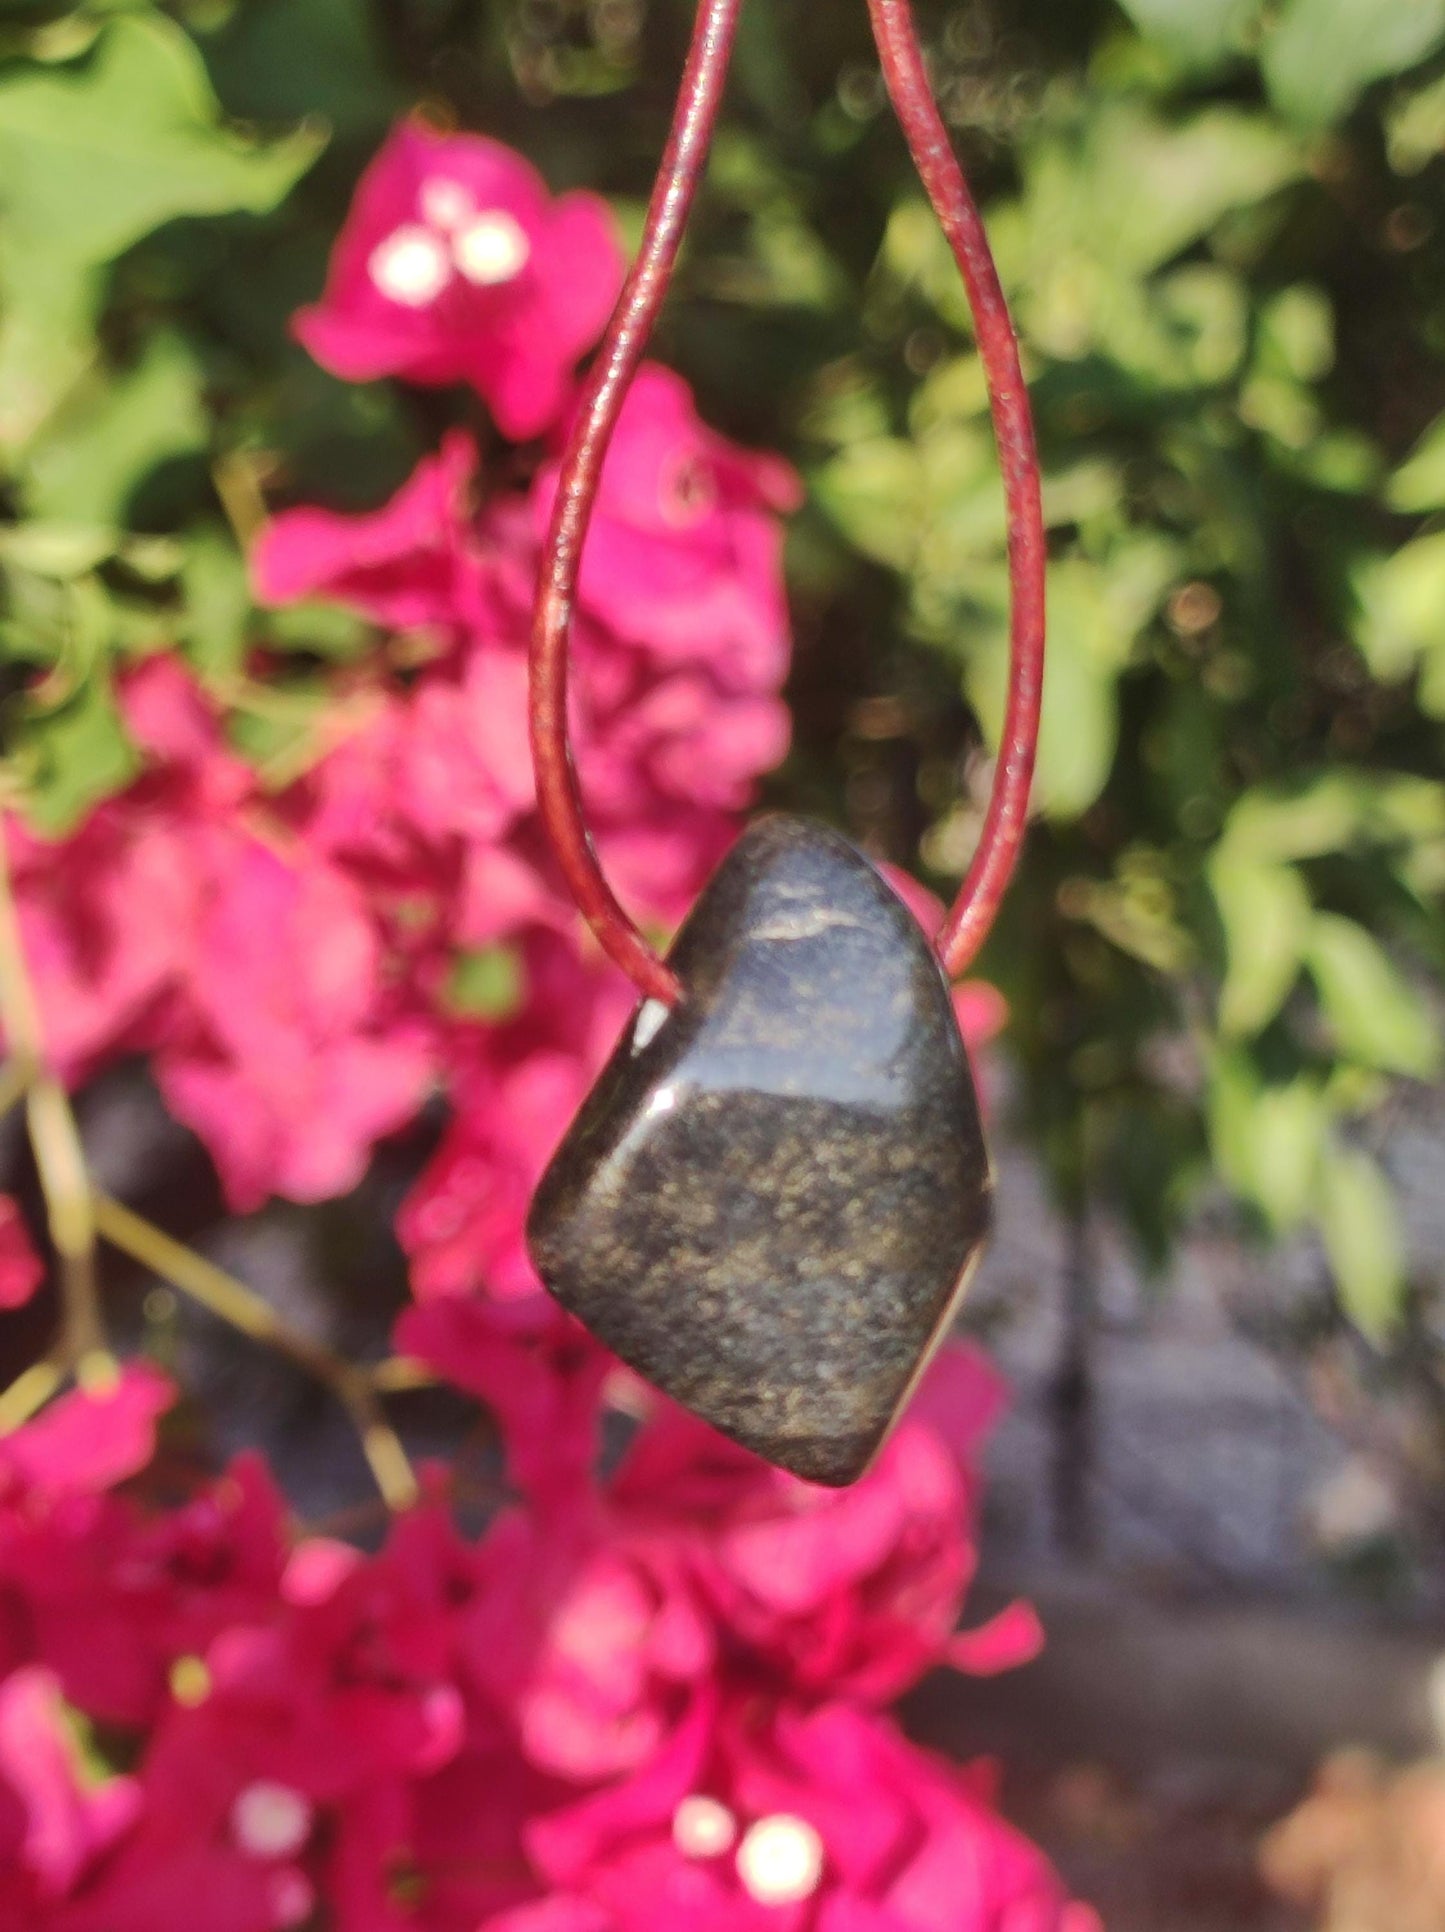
<point x="771" y="1199"/>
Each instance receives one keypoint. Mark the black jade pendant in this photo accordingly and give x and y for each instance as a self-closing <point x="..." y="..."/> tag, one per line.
<point x="771" y="1199"/>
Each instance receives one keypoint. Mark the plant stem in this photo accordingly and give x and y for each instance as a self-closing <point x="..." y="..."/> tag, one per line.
<point x="400" y="1375"/>
<point x="231" y="1301"/>
<point x="13" y="1082"/>
<point x="55" y="1139"/>
<point x="31" y="1390"/>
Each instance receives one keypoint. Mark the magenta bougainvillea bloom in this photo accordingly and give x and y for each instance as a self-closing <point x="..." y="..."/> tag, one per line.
<point x="642" y="1692"/>
<point x="21" y="1269"/>
<point x="160" y="1586"/>
<point x="89" y="1440"/>
<point x="55" y="1820"/>
<point x="850" y="1592"/>
<point x="684" y="545"/>
<point x="411" y="563"/>
<point x="456" y="265"/>
<point x="812" y="1818"/>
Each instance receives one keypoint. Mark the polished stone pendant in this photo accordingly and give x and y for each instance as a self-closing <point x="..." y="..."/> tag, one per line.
<point x="771" y="1199"/>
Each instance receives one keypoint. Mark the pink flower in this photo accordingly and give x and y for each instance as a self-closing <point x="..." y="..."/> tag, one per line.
<point x="852" y="1592"/>
<point x="442" y="1852"/>
<point x="211" y="1840"/>
<point x="90" y="1439"/>
<point x="764" y="1819"/>
<point x="55" y="1821"/>
<point x="684" y="549"/>
<point x="101" y="916"/>
<point x="354" y="1678"/>
<point x="21" y="1269"/>
<point x="455" y="265"/>
<point x="290" y="1064"/>
<point x="594" y="1644"/>
<point x="544" y="1388"/>
<point x="406" y="565"/>
<point x="515" y="1089"/>
<point x="161" y="1585"/>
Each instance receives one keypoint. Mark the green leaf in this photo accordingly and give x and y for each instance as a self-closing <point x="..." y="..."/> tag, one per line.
<point x="1335" y="811"/>
<point x="218" y="604"/>
<point x="1322" y="54"/>
<point x="1198" y="33"/>
<point x="97" y="153"/>
<point x="874" y="492"/>
<point x="1415" y="128"/>
<point x="58" y="550"/>
<point x="319" y="630"/>
<point x="1096" y="614"/>
<point x="48" y="313"/>
<point x="1419" y="483"/>
<point x="1266" y="915"/>
<point x="1358" y="1218"/>
<point x="114" y="433"/>
<point x="1400" y="601"/>
<point x="73" y="757"/>
<point x="1268" y="1140"/>
<point x="276" y="60"/>
<point x="1375" y="1014"/>
<point x="1138" y="190"/>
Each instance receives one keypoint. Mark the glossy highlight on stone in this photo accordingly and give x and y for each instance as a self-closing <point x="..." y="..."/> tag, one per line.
<point x="771" y="1199"/>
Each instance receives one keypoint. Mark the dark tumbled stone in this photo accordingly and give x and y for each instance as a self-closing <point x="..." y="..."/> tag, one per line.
<point x="771" y="1198"/>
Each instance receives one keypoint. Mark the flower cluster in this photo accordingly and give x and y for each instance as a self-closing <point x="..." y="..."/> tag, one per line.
<point x="637" y="1702"/>
<point x="653" y="1692"/>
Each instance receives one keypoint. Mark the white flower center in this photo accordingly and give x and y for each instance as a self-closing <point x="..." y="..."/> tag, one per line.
<point x="271" y="1820"/>
<point x="703" y="1827"/>
<point x="493" y="248"/>
<point x="410" y="266"/>
<point x="446" y="205"/>
<point x="780" y="1860"/>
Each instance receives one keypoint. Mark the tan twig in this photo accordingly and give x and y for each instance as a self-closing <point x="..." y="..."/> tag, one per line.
<point x="13" y="1081"/>
<point x="59" y="1157"/>
<point x="75" y="1213"/>
<point x="31" y="1390"/>
<point x="400" y="1375"/>
<point x="231" y="1301"/>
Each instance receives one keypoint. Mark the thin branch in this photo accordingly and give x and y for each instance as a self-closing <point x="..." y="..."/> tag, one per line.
<point x="31" y="1390"/>
<point x="59" y="1156"/>
<point x="400" y="1375"/>
<point x="232" y="1302"/>
<point x="13" y="1082"/>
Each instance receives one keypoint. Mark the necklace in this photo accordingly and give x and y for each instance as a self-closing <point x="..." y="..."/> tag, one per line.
<point x="771" y="1200"/>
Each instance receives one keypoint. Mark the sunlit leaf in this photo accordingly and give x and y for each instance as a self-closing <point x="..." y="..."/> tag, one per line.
<point x="114" y="433"/>
<point x="1401" y="600"/>
<point x="873" y="491"/>
<point x="95" y="154"/>
<point x="1419" y="483"/>
<point x="1197" y="32"/>
<point x="1374" y="1012"/>
<point x="1266" y="915"/>
<point x="1358" y="1217"/>
<point x="75" y="756"/>
<point x="1322" y="54"/>
<point x="1268" y="1139"/>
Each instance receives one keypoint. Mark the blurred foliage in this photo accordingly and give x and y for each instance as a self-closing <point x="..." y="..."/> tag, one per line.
<point x="1220" y="223"/>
